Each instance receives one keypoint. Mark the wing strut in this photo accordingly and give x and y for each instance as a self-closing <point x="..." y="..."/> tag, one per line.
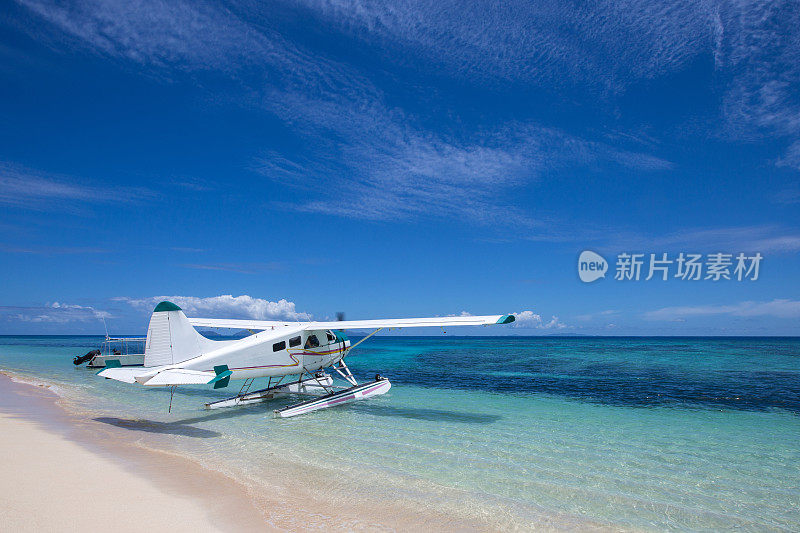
<point x="365" y="338"/>
<point x="347" y="375"/>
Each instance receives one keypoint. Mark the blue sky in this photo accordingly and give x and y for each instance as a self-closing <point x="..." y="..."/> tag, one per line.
<point x="296" y="159"/>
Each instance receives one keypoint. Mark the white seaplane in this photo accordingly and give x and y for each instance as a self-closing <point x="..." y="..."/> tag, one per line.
<point x="293" y="355"/>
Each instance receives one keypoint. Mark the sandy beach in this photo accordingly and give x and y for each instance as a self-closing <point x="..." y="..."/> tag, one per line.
<point x="52" y="484"/>
<point x="89" y="472"/>
<point x="57" y="479"/>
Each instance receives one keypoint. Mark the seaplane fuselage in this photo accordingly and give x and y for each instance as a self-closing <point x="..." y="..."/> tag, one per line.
<point x="177" y="354"/>
<point x="274" y="353"/>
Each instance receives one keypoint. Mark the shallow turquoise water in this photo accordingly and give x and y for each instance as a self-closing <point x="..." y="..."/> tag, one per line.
<point x="636" y="433"/>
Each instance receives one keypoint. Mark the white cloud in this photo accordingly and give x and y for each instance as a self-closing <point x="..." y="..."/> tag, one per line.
<point x="527" y="319"/>
<point x="531" y="320"/>
<point x="55" y="312"/>
<point x="779" y="308"/>
<point x="554" y="323"/>
<point x="225" y="306"/>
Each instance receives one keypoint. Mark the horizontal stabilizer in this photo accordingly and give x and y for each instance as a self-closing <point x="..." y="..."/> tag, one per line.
<point x="126" y="375"/>
<point x="178" y="376"/>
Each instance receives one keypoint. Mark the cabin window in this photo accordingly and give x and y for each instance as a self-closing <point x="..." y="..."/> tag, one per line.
<point x="294" y="341"/>
<point x="331" y="336"/>
<point x="278" y="346"/>
<point x="312" y="342"/>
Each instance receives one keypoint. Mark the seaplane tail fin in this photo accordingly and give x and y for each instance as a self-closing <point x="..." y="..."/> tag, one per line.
<point x="171" y="338"/>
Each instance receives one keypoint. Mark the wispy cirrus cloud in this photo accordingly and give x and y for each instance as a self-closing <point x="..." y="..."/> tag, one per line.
<point x="758" y="54"/>
<point x="758" y="59"/>
<point x="761" y="238"/>
<point x="787" y="196"/>
<point x="53" y="250"/>
<point x="779" y="308"/>
<point x="58" y="313"/>
<point x="195" y="36"/>
<point x="791" y="158"/>
<point x="600" y="44"/>
<point x="241" y="268"/>
<point x="387" y="163"/>
<point x="24" y="187"/>
<point x="603" y="315"/>
<point x="603" y="47"/>
<point x="224" y="306"/>
<point x="607" y="44"/>
<point x="745" y="238"/>
<point x="383" y="159"/>
<point x="397" y="171"/>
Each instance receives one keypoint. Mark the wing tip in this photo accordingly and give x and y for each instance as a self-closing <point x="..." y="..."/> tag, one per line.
<point x="505" y="319"/>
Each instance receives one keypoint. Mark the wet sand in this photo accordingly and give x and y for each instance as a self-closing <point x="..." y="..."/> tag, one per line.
<point x="63" y="474"/>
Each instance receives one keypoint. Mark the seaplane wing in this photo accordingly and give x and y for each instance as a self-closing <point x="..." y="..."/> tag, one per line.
<point x="355" y="324"/>
<point x="239" y="324"/>
<point x="412" y="322"/>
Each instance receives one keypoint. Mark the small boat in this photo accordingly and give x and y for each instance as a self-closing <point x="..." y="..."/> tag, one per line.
<point x="129" y="351"/>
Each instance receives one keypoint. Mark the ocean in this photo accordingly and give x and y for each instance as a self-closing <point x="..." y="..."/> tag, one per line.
<point x="504" y="432"/>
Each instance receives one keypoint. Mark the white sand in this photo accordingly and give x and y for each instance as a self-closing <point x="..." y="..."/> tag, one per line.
<point x="48" y="483"/>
